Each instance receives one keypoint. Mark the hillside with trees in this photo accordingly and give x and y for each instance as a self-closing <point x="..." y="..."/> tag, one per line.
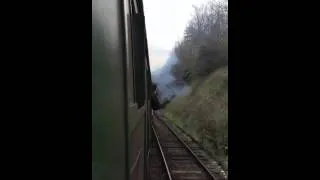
<point x="203" y="65"/>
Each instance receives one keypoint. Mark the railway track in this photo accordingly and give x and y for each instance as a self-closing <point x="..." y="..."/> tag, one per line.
<point x="207" y="160"/>
<point x="181" y="162"/>
<point x="158" y="169"/>
<point x="199" y="151"/>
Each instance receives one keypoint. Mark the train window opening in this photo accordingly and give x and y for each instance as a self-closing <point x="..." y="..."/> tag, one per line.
<point x="138" y="53"/>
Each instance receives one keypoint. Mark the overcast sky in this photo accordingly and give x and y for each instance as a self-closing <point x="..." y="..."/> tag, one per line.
<point x="165" y="23"/>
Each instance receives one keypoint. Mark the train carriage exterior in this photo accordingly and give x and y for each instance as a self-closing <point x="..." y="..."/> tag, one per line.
<point x="122" y="95"/>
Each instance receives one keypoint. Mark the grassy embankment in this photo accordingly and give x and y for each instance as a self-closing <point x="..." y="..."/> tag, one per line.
<point x="204" y="113"/>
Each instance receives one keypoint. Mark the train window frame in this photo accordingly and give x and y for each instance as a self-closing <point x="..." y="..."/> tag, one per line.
<point x="138" y="54"/>
<point x="129" y="53"/>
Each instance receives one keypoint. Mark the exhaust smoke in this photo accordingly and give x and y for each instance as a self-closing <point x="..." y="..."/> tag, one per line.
<point x="168" y="86"/>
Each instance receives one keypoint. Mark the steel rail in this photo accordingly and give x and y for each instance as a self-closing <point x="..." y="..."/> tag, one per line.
<point x="188" y="148"/>
<point x="162" y="154"/>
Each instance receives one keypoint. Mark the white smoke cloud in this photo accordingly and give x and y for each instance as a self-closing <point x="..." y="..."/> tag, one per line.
<point x="167" y="85"/>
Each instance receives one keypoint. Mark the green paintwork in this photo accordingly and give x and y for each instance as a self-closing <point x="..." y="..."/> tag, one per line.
<point x="108" y="115"/>
<point x="119" y="127"/>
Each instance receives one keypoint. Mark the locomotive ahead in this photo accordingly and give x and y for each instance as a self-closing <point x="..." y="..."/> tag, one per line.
<point x="122" y="91"/>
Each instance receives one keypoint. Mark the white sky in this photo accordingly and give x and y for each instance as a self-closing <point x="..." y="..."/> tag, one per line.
<point x="165" y="23"/>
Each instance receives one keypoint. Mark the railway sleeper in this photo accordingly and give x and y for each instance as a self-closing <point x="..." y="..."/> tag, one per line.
<point x="181" y="167"/>
<point x="188" y="176"/>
